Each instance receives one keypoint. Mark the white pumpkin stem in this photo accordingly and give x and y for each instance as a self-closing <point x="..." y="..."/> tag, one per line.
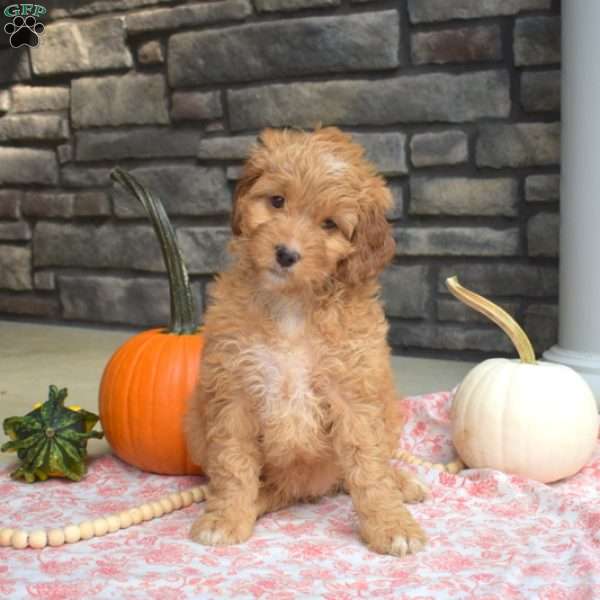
<point x="496" y="314"/>
<point x="40" y="538"/>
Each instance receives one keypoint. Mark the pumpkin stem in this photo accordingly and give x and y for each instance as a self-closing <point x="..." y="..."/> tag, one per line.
<point x="496" y="314"/>
<point x="183" y="308"/>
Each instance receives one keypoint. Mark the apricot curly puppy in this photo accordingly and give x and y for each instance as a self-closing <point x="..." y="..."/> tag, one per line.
<point x="296" y="398"/>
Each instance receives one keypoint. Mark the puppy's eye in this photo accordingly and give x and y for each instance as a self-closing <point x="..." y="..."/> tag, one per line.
<point x="277" y="201"/>
<point x="329" y="224"/>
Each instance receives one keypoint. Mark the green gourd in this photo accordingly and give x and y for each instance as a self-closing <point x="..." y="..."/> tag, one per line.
<point x="51" y="440"/>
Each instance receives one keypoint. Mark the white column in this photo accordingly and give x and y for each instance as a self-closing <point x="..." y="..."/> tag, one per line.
<point x="579" y="290"/>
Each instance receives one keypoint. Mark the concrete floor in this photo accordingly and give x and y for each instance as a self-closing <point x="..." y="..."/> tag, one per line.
<point x="33" y="356"/>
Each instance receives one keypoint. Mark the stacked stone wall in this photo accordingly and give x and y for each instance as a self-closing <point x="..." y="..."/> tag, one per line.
<point x="456" y="101"/>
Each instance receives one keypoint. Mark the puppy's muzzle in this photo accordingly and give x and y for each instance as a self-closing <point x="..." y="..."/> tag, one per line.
<point x="286" y="257"/>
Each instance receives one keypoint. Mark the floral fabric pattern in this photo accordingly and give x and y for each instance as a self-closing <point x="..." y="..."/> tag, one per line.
<point x="492" y="536"/>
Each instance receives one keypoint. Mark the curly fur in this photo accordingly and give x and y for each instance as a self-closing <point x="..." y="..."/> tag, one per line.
<point x="296" y="397"/>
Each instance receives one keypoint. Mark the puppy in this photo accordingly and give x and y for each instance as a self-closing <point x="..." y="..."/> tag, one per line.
<point x="296" y="398"/>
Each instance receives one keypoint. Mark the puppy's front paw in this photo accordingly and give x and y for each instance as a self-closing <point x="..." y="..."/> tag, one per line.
<point x="413" y="489"/>
<point x="399" y="539"/>
<point x="217" y="529"/>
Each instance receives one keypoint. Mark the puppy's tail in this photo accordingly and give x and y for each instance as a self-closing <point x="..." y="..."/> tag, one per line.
<point x="452" y="467"/>
<point x="39" y="538"/>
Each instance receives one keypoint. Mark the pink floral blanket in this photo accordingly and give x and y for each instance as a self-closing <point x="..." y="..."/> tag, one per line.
<point x="492" y="536"/>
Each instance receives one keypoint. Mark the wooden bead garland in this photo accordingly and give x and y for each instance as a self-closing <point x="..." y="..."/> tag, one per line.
<point x="452" y="467"/>
<point x="40" y="538"/>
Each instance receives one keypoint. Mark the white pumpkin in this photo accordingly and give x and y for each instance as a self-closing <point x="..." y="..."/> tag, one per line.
<point x="522" y="416"/>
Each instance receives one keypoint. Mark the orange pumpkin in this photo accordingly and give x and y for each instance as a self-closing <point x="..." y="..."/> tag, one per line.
<point x="148" y="381"/>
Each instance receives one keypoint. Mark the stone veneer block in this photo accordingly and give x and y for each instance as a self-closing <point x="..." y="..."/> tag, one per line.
<point x="10" y="202"/>
<point x="106" y="246"/>
<point x="15" y="231"/>
<point x="4" y="101"/>
<point x="290" y="5"/>
<point x="542" y="188"/>
<point x="424" y="11"/>
<point x="405" y="277"/>
<point x="428" y="97"/>
<point x="466" y="44"/>
<point x="285" y="48"/>
<point x="196" y="106"/>
<point x="147" y="142"/>
<point x="151" y="53"/>
<point x="226" y="148"/>
<point x="43" y="205"/>
<point x="15" y="268"/>
<point x="518" y="145"/>
<point x="28" y="98"/>
<point x="14" y="65"/>
<point x="94" y="7"/>
<point x="439" y="148"/>
<point x="204" y="248"/>
<point x="33" y="127"/>
<point x="537" y="41"/>
<point x="385" y="151"/>
<point x="193" y="15"/>
<point x="540" y="90"/>
<point x="543" y="234"/>
<point x="82" y="47"/>
<point x="141" y="301"/>
<point x="457" y="241"/>
<point x="463" y="196"/>
<point x="27" y="166"/>
<point x="119" y="100"/>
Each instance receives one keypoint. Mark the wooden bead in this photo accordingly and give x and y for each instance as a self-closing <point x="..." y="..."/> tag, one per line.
<point x="114" y="523"/>
<point x="197" y="493"/>
<point x="100" y="527"/>
<point x="147" y="512"/>
<point x="176" y="500"/>
<point x="20" y="539"/>
<point x="157" y="509"/>
<point x="125" y="519"/>
<point x="72" y="534"/>
<point x="56" y="537"/>
<point x="136" y="515"/>
<point x="187" y="498"/>
<point x="166" y="505"/>
<point x="38" y="539"/>
<point x="6" y="534"/>
<point x="455" y="467"/>
<point x="86" y="530"/>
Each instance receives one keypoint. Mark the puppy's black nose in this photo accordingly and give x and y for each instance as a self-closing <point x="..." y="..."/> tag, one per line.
<point x="285" y="256"/>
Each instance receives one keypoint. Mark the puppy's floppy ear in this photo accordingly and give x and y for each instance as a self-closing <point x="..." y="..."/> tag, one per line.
<point x="255" y="166"/>
<point x="372" y="239"/>
<point x="250" y="173"/>
<point x="253" y="169"/>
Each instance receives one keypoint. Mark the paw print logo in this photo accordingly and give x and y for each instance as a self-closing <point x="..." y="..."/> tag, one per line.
<point x="24" y="32"/>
